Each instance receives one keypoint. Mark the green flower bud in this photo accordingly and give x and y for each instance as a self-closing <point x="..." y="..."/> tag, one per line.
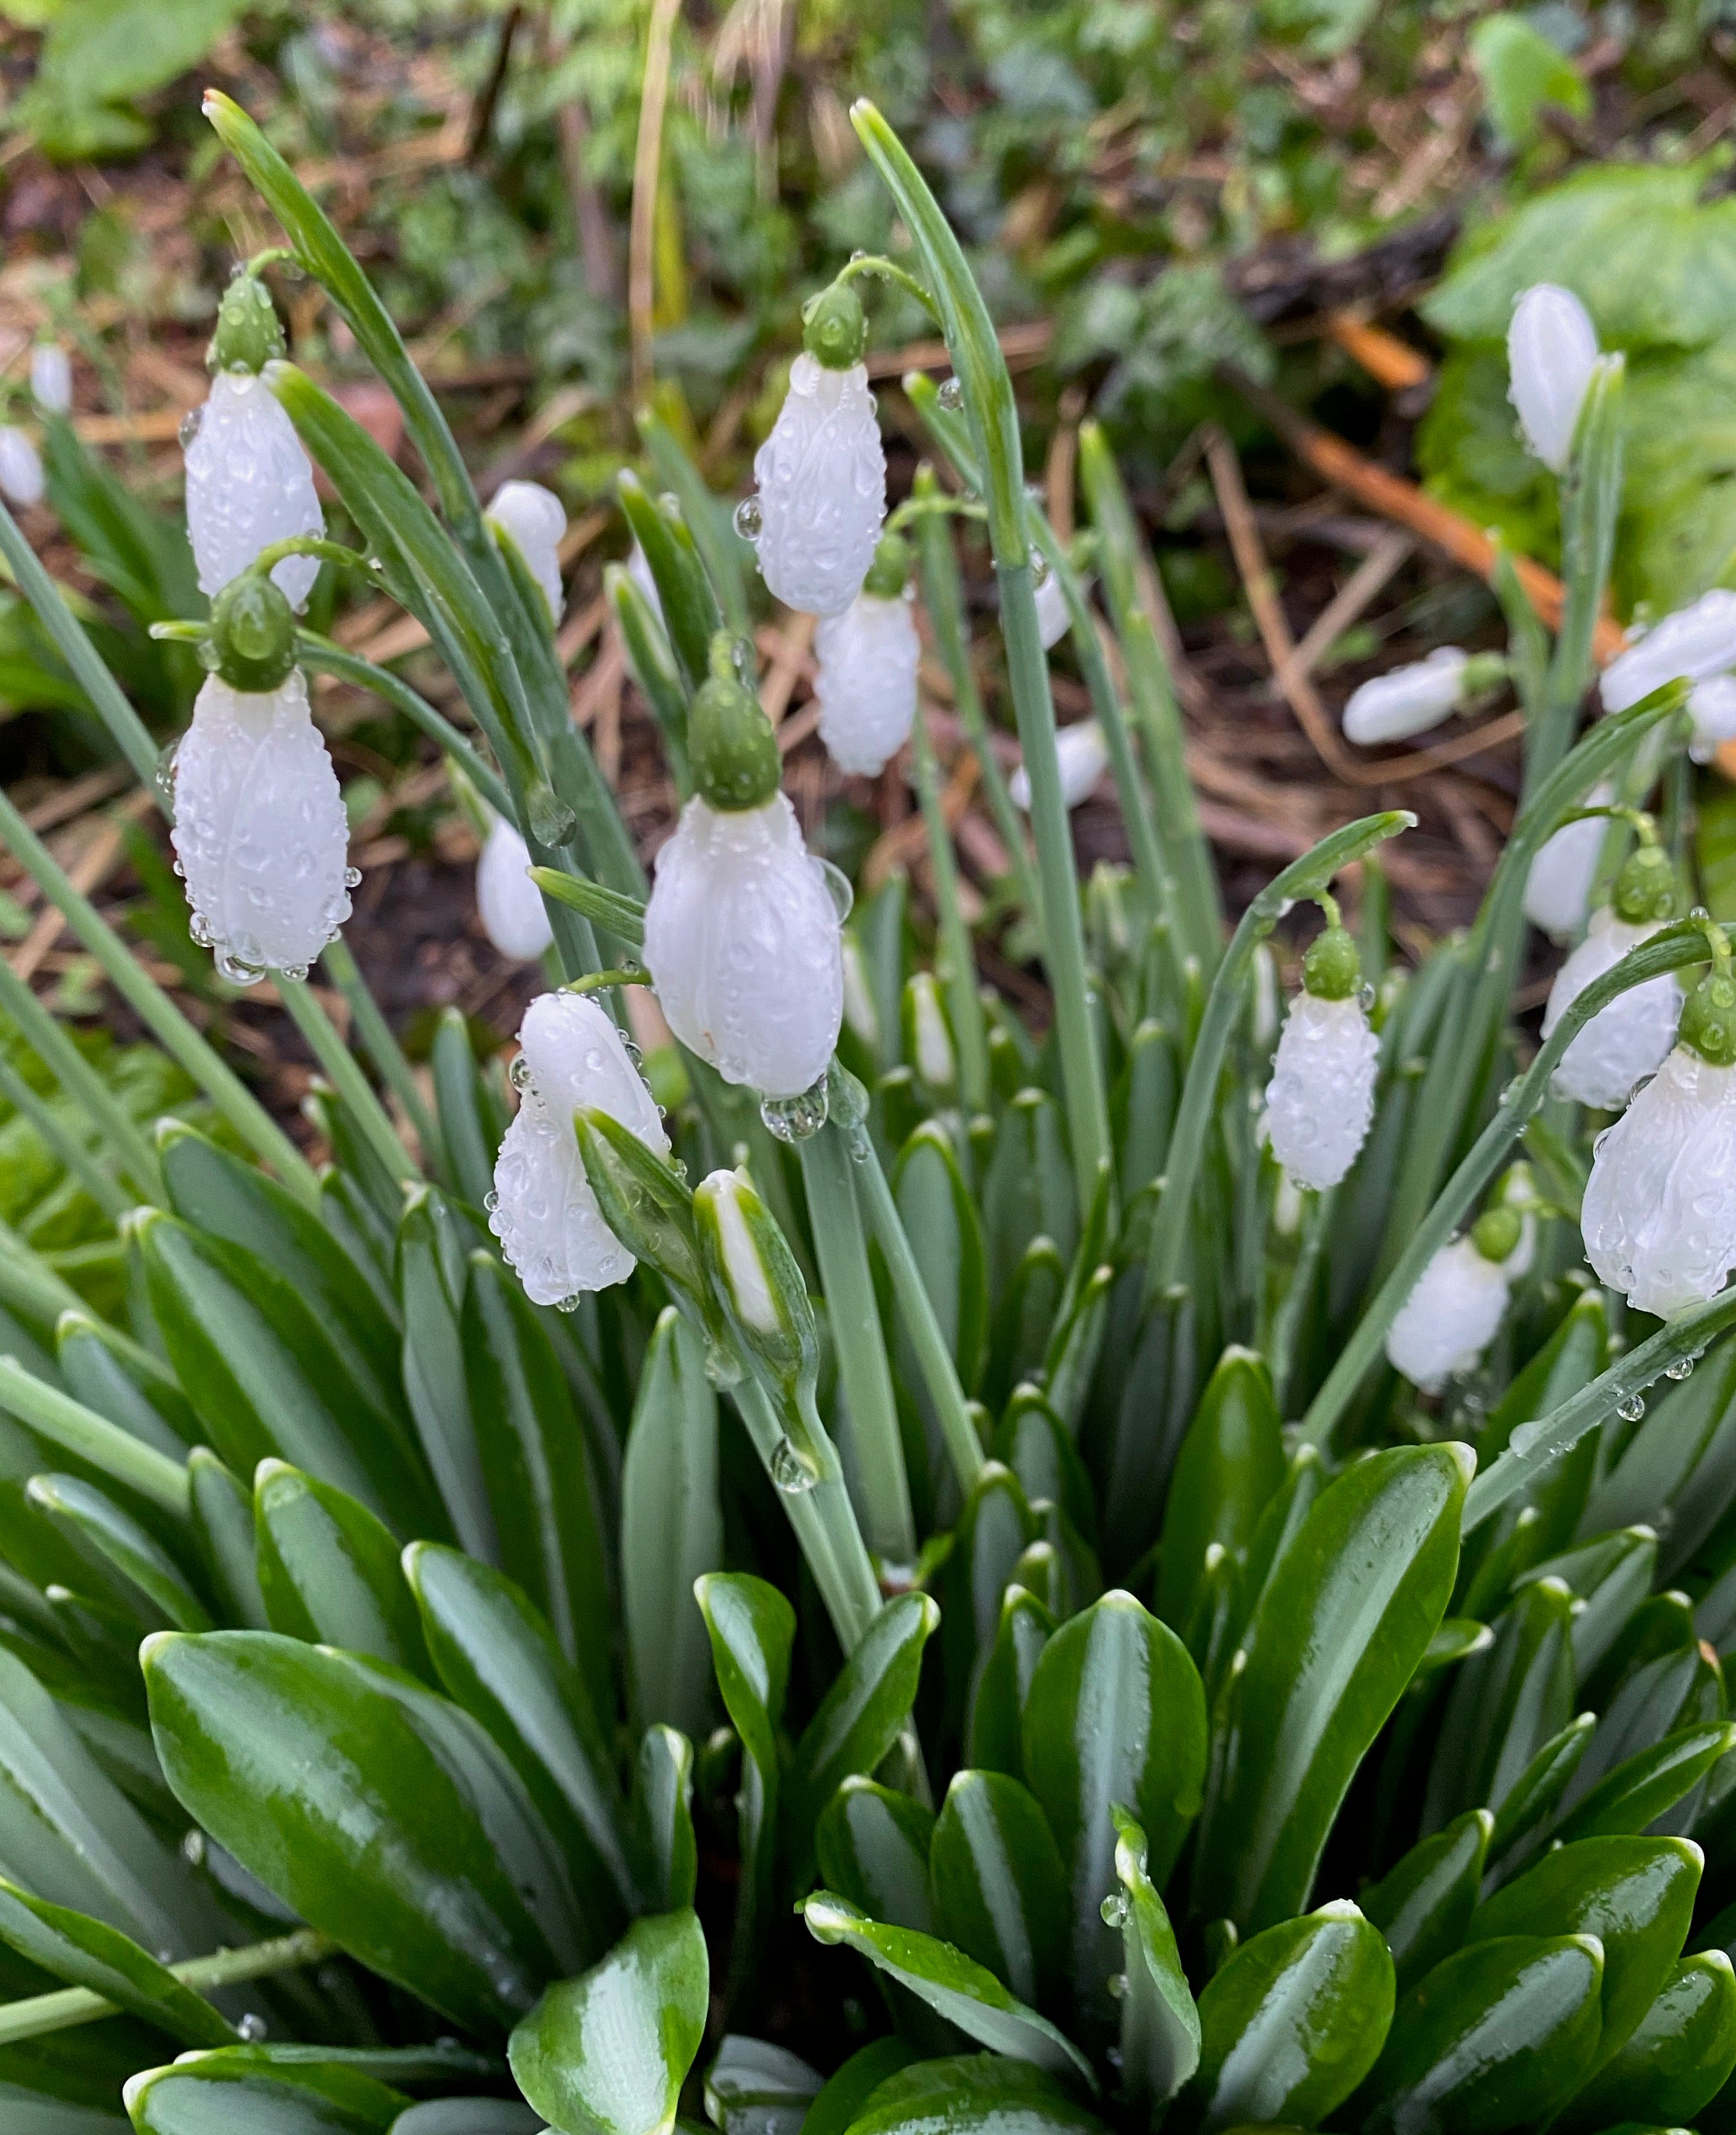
<point x="252" y="641"/>
<point x="248" y="335"/>
<point x="1708" y="1019"/>
<point x="834" y="330"/>
<point x="1496" y="1232"/>
<point x="731" y="745"/>
<point x="754" y="1277"/>
<point x="1644" y="891"/>
<point x="1331" y="970"/>
<point x="889" y="572"/>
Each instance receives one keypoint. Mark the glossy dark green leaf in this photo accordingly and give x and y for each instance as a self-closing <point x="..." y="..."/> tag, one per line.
<point x="1028" y="1191"/>
<point x="230" y="2090"/>
<point x="873" y="1847"/>
<point x="1612" y="1575"/>
<point x="1293" y="2021"/>
<point x="1506" y="1704"/>
<point x="1348" y="1611"/>
<point x="1677" y="2059"/>
<point x="1669" y="1470"/>
<point x="1572" y="1357"/>
<point x="1637" y="1793"/>
<point x="999" y="1890"/>
<point x="123" y="1382"/>
<point x="994" y="1531"/>
<point x="1423" y="1905"/>
<point x="1497" y="2036"/>
<point x="840" y="2103"/>
<point x="93" y="1519"/>
<point x="606" y="2054"/>
<point x="467" y="1126"/>
<point x="753" y="1629"/>
<point x="1635" y="1895"/>
<point x="974" y="2094"/>
<point x="1115" y="1715"/>
<point x="430" y="1277"/>
<point x="221" y="1517"/>
<point x="1024" y="1319"/>
<point x="946" y="1235"/>
<point x="755" y="2088"/>
<point x="497" y="1657"/>
<point x="1032" y="1441"/>
<point x="660" y="1821"/>
<point x="1535" y="1794"/>
<point x="690" y="609"/>
<point x="89" y="1952"/>
<point x="379" y="1812"/>
<point x="329" y="1571"/>
<point x="1230" y="1466"/>
<point x="954" y="1986"/>
<point x="672" y="1527"/>
<point x="1160" y="2024"/>
<point x="1283" y="1520"/>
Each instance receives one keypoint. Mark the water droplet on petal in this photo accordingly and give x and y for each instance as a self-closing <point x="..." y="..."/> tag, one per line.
<point x="352" y="877"/>
<point x="519" y="1073"/>
<point x="166" y="768"/>
<point x="749" y="519"/>
<point x="790" y="1471"/>
<point x="838" y="888"/>
<point x="569" y="1303"/>
<point x="1039" y="567"/>
<point x="794" y="1119"/>
<point x="951" y="396"/>
<point x="238" y="974"/>
<point x="190" y="424"/>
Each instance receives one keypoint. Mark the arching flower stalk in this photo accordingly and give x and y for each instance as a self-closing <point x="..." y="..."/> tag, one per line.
<point x="1450" y="1317"/>
<point x="1626" y="1041"/>
<point x="866" y="658"/>
<point x="1552" y="351"/>
<point x="543" y="1210"/>
<point x="1321" y="1097"/>
<point x="510" y="904"/>
<point x="742" y="935"/>
<point x="822" y="471"/>
<point x="250" y="484"/>
<point x="534" y="519"/>
<point x="1659" y="1215"/>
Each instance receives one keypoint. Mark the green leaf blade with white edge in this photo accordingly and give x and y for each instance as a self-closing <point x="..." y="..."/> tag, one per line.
<point x="230" y="2089"/>
<point x="1230" y="1465"/>
<point x="974" y="2094"/>
<point x="1424" y="1904"/>
<point x="1000" y="1889"/>
<point x="1160" y="2022"/>
<point x="329" y="1570"/>
<point x="866" y="1708"/>
<point x="1677" y="2059"/>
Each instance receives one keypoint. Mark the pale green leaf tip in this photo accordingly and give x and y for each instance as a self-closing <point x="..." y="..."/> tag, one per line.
<point x="1339" y="1908"/>
<point x="71" y="1321"/>
<point x="1464" y="1458"/>
<point x="168" y="1130"/>
<point x="150" y="1652"/>
<point x="270" y="1470"/>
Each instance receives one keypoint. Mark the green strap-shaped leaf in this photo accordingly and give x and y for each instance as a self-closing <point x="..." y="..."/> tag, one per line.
<point x="953" y="1985"/>
<point x="467" y="1127"/>
<point x="1345" y="1619"/>
<point x="329" y="1571"/>
<point x="1506" y="1704"/>
<point x="873" y="1847"/>
<point x="705" y="515"/>
<point x="1160" y="2024"/>
<point x="230" y="2088"/>
<point x="1643" y="1787"/>
<point x="89" y="1952"/>
<point x="430" y="1277"/>
<point x="1000" y="1891"/>
<point x="221" y="1517"/>
<point x="974" y="2094"/>
<point x="1677" y="2059"/>
<point x="1535" y="1794"/>
<point x="867" y="1708"/>
<point x="469" y="2116"/>
<point x="606" y="2054"/>
<point x="946" y="1235"/>
<point x="1230" y="1465"/>
<point x="104" y="1371"/>
<point x="94" y="1521"/>
<point x="691" y="611"/>
<point x="1424" y="1904"/>
<point x="661" y="1823"/>
<point x="994" y="1531"/>
<point x="376" y="1810"/>
<point x="840" y="2104"/>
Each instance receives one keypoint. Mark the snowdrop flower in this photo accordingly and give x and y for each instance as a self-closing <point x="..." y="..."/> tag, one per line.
<point x="21" y="467"/>
<point x="1552" y="351"/>
<point x="1712" y="707"/>
<point x="1083" y="756"/>
<point x="542" y="1209"/>
<point x="822" y="471"/>
<point x="249" y="481"/>
<point x="1558" y="889"/>
<point x="1322" y="1095"/>
<point x="534" y="519"/>
<point x="1051" y="610"/>
<point x="1659" y="1215"/>
<point x="260" y="833"/>
<point x="1695" y="644"/>
<point x="514" y="916"/>
<point x="1450" y="1317"/>
<point x="1626" y="1041"/>
<point x="742" y="934"/>
<point x="51" y="378"/>
<point x="1409" y="700"/>
<point x="866" y="658"/>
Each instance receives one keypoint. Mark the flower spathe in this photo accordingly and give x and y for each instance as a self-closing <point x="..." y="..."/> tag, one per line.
<point x="822" y="489"/>
<point x="248" y="484"/>
<point x="544" y="1213"/>
<point x="1082" y="757"/>
<point x="1623" y="1043"/>
<point x="534" y="519"/>
<point x="743" y="941"/>
<point x="1408" y="701"/>
<point x="866" y="683"/>
<point x="1450" y="1318"/>
<point x="510" y="904"/>
<point x="1322" y="1095"/>
<point x="1552" y="350"/>
<point x="260" y="832"/>
<point x="1694" y="644"/>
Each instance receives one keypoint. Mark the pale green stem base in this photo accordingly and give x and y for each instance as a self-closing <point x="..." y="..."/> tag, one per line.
<point x="80" y="1430"/>
<point x="72" y="2006"/>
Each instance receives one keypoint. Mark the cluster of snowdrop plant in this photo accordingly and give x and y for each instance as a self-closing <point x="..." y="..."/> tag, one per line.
<point x="1168" y="1574"/>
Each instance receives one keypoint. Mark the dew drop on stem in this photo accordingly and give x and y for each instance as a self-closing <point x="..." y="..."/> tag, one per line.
<point x="951" y="396"/>
<point x="790" y="1471"/>
<point x="1632" y="1409"/>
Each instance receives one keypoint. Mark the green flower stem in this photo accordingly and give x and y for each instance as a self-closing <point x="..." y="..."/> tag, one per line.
<point x="343" y="1070"/>
<point x="1317" y="1221"/>
<point x="320" y="654"/>
<point x="934" y="1353"/>
<point x="77" y="1430"/>
<point x="888" y="270"/>
<point x="128" y="731"/>
<point x="315" y="544"/>
<point x="64" y="1143"/>
<point x="1670" y="949"/>
<point x="864" y="1376"/>
<point x="178" y="1037"/>
<point x="957" y="955"/>
<point x="1224" y="1005"/>
<point x="121" y="1134"/>
<point x="70" y="2005"/>
<point x="383" y="1049"/>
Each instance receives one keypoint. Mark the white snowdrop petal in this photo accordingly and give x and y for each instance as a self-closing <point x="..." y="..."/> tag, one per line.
<point x="1695" y="643"/>
<point x="535" y="519"/>
<point x="1552" y="348"/>
<point x="866" y="682"/>
<point x="743" y="941"/>
<point x="50" y="377"/>
<point x="1712" y="707"/>
<point x="248" y="484"/>
<point x="1623" y="1043"/>
<point x="1051" y="611"/>
<point x="514" y="916"/>
<point x="21" y="467"/>
<point x="1558" y="889"/>
<point x="1321" y="1098"/>
<point x="1449" y="1319"/>
<point x="822" y="489"/>
<point x="1082" y="755"/>
<point x="260" y="827"/>
<point x="1659" y="1215"/>
<point x="1407" y="701"/>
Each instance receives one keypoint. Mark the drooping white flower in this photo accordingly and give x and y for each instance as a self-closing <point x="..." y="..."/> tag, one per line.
<point x="510" y="906"/>
<point x="1558" y="889"/>
<point x="1659" y="1215"/>
<point x="1623" y="1043"/>
<point x="21" y="467"/>
<point x="1051" y="610"/>
<point x="248" y="484"/>
<point x="1712" y="707"/>
<point x="534" y="519"/>
<point x="551" y="1230"/>
<point x="260" y="832"/>
<point x="822" y="489"/>
<point x="1450" y="1318"/>
<point x="1321" y="1097"/>
<point x="866" y="682"/>
<point x="1409" y="700"/>
<point x="1694" y="644"/>
<point x="1083" y="756"/>
<point x="50" y="377"/>
<point x="1552" y="350"/>
<point x="742" y="939"/>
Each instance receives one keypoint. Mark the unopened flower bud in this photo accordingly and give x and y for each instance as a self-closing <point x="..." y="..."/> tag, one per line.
<point x="1694" y="644"/>
<point x="1451" y="1315"/>
<point x="1082" y="756"/>
<point x="835" y="327"/>
<point x="51" y="378"/>
<point x="1321" y="1098"/>
<point x="252" y="634"/>
<point x="249" y="333"/>
<point x="867" y="660"/>
<point x="754" y="1277"/>
<point x="510" y="904"/>
<point x="534" y="521"/>
<point x="250" y="485"/>
<point x="1552" y="350"/>
<point x="821" y="475"/>
<point x="21" y="467"/>
<point x="927" y="1040"/>
<point x="1408" y="701"/>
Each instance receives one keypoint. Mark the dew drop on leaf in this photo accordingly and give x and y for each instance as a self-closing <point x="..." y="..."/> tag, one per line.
<point x="951" y="396"/>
